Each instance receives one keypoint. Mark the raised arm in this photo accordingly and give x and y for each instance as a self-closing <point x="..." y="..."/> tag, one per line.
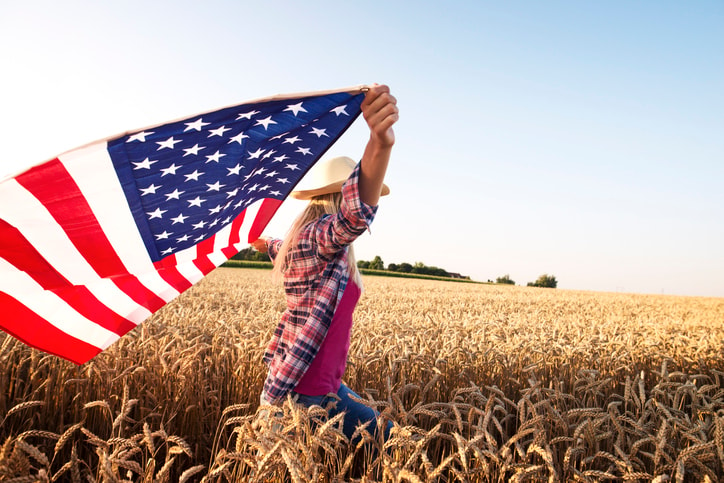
<point x="380" y="111"/>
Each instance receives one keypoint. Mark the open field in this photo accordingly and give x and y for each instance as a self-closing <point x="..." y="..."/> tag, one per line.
<point x="483" y="383"/>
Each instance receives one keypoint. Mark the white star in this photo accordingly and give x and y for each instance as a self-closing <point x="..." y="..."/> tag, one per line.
<point x="319" y="132"/>
<point x="174" y="195"/>
<point x="340" y="110"/>
<point x="169" y="143"/>
<point x="145" y="164"/>
<point x="141" y="136"/>
<point x="295" y="108"/>
<point x="231" y="194"/>
<point x="282" y="180"/>
<point x="182" y="239"/>
<point x="151" y="190"/>
<point x="170" y="170"/>
<point x="226" y="220"/>
<point x="199" y="225"/>
<point x="303" y="151"/>
<point x="255" y="154"/>
<point x="265" y="187"/>
<point x="215" y="187"/>
<point x="238" y="138"/>
<point x="219" y="131"/>
<point x="157" y="213"/>
<point x="292" y="140"/>
<point x="199" y="238"/>
<point x="253" y="188"/>
<point x="259" y="171"/>
<point x="195" y="150"/>
<point x="215" y="210"/>
<point x="241" y="202"/>
<point x="281" y="158"/>
<point x="193" y="176"/>
<point x="179" y="219"/>
<point x="268" y="154"/>
<point x="271" y="174"/>
<point x="167" y="251"/>
<point x="293" y="167"/>
<point x="197" y="124"/>
<point x="196" y="202"/>
<point x="163" y="236"/>
<point x="275" y="193"/>
<point x="265" y="122"/>
<point x="235" y="170"/>
<point x="214" y="157"/>
<point x="247" y="115"/>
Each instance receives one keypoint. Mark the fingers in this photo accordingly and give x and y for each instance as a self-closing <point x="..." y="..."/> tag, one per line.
<point x="381" y="113"/>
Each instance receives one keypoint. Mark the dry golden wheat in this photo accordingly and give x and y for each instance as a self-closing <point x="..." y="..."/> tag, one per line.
<point x="481" y="382"/>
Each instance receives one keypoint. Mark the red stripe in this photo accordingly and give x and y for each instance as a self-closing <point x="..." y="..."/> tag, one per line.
<point x="203" y="249"/>
<point x="235" y="237"/>
<point x="266" y="211"/>
<point x="19" y="252"/>
<point x="166" y="268"/>
<point x="38" y="332"/>
<point x="53" y="186"/>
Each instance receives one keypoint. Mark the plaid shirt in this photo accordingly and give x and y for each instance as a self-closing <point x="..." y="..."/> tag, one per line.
<point x="314" y="282"/>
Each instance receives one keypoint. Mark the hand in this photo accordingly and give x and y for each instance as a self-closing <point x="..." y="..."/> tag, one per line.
<point x="260" y="245"/>
<point x="379" y="109"/>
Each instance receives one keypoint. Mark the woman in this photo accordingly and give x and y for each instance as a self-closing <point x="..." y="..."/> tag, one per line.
<point x="308" y="351"/>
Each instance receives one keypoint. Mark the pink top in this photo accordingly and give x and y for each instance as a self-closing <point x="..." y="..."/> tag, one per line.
<point x="326" y="370"/>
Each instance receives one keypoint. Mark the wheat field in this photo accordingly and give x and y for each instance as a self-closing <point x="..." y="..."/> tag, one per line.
<point x="483" y="383"/>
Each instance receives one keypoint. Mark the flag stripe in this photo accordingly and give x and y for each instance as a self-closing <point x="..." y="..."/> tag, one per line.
<point x="167" y="269"/>
<point x="38" y="332"/>
<point x="58" y="192"/>
<point x="53" y="309"/>
<point x="91" y="168"/>
<point x="41" y="230"/>
<point x="268" y="207"/>
<point x="80" y="298"/>
<point x="203" y="249"/>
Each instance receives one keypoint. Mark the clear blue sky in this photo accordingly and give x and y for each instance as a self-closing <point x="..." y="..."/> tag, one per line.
<point x="580" y="139"/>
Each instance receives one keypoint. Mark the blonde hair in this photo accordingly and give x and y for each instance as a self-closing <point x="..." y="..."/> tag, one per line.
<point x="326" y="204"/>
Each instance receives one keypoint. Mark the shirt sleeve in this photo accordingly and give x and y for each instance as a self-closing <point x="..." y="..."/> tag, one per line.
<point x="273" y="247"/>
<point x="354" y="217"/>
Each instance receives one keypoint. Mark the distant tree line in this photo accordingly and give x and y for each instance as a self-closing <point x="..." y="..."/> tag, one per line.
<point x="545" y="280"/>
<point x="404" y="267"/>
<point x="251" y="255"/>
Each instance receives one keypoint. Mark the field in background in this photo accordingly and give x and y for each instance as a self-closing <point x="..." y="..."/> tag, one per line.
<point x="483" y="383"/>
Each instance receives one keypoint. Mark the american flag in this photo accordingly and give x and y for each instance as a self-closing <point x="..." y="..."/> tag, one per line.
<point x="98" y="239"/>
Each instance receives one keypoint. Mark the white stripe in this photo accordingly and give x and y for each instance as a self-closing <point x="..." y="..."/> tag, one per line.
<point x="190" y="272"/>
<point x="52" y="308"/>
<point x="43" y="232"/>
<point x="92" y="169"/>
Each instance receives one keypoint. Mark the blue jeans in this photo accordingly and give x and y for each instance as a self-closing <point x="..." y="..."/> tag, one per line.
<point x="356" y="413"/>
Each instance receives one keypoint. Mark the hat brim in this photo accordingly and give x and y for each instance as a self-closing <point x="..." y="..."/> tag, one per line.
<point x="330" y="188"/>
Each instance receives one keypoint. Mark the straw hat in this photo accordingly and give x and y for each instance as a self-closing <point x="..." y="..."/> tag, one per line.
<point x="327" y="176"/>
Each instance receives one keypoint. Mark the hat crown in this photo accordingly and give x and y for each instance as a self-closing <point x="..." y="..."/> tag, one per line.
<point x="327" y="172"/>
<point x="327" y="176"/>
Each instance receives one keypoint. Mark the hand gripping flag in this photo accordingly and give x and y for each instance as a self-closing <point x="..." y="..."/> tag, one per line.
<point x="98" y="239"/>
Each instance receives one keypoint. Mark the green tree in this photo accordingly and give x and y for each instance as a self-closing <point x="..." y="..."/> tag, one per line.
<point x="377" y="263"/>
<point x="505" y="279"/>
<point x="363" y="264"/>
<point x="252" y="255"/>
<point x="545" y="280"/>
<point x="404" y="267"/>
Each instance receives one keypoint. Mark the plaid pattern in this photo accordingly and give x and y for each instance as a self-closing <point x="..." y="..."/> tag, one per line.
<point x="314" y="282"/>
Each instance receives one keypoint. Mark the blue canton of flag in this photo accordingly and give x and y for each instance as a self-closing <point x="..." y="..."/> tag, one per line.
<point x="186" y="180"/>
